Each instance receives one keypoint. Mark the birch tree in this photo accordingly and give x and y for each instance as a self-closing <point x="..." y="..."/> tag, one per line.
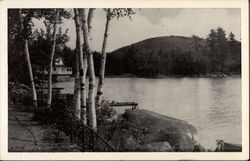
<point x="82" y="61"/>
<point x="86" y="27"/>
<point x="83" y="68"/>
<point x="103" y="60"/>
<point x="52" y="53"/>
<point x="77" y="91"/>
<point x="92" y="80"/>
<point x="110" y="13"/>
<point x="27" y="56"/>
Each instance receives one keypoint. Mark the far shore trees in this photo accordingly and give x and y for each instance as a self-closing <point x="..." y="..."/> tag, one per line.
<point x="178" y="56"/>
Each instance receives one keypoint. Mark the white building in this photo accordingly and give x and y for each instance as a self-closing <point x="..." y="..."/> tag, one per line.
<point x="60" y="71"/>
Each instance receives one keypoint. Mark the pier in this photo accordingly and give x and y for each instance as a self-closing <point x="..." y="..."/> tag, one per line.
<point x="117" y="104"/>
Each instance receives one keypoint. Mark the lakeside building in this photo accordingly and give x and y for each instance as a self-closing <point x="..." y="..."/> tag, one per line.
<point x="59" y="71"/>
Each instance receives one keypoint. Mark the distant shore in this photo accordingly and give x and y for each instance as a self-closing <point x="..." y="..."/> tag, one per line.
<point x="164" y="76"/>
<point x="175" y="76"/>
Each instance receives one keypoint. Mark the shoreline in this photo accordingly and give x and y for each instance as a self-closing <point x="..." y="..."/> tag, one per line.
<point x="174" y="76"/>
<point x="165" y="76"/>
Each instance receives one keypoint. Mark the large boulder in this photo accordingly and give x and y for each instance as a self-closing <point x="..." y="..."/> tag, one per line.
<point x="165" y="132"/>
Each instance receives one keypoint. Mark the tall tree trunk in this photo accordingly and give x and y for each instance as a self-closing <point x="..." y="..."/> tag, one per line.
<point x="83" y="69"/>
<point x="27" y="56"/>
<point x="52" y="53"/>
<point x="91" y="94"/>
<point x="82" y="66"/>
<point x="90" y="18"/>
<point x="77" y="92"/>
<point x="103" y="63"/>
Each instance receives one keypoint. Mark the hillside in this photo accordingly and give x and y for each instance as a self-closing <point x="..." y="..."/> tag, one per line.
<point x="175" y="55"/>
<point x="164" y="43"/>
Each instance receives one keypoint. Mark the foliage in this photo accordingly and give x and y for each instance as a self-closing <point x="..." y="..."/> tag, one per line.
<point x="105" y="114"/>
<point x="176" y="55"/>
<point x="126" y="133"/>
<point x="19" y="94"/>
<point x="16" y="59"/>
<point x="119" y="12"/>
<point x="39" y="41"/>
<point x="41" y="44"/>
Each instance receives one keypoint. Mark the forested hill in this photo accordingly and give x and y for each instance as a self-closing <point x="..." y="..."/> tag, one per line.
<point x="177" y="55"/>
<point x="164" y="43"/>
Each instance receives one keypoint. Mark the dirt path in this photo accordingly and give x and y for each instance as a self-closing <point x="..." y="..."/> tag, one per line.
<point x="27" y="135"/>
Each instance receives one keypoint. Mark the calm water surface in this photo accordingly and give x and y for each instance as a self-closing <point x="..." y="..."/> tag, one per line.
<point x="212" y="105"/>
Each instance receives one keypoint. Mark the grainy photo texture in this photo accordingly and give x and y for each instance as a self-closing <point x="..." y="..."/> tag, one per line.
<point x="124" y="80"/>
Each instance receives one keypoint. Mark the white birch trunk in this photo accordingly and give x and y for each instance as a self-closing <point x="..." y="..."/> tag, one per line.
<point x="77" y="92"/>
<point x="91" y="94"/>
<point x="52" y="53"/>
<point x="103" y="63"/>
<point x="82" y="67"/>
<point x="27" y="56"/>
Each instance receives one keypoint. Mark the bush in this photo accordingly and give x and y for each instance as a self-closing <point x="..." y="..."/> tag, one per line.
<point x="19" y="94"/>
<point x="127" y="132"/>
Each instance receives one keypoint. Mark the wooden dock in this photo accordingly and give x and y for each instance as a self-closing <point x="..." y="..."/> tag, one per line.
<point x="117" y="104"/>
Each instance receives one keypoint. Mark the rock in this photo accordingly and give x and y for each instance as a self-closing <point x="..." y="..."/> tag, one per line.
<point x="179" y="134"/>
<point x="162" y="133"/>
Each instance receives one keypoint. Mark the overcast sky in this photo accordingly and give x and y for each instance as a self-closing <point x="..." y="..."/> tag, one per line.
<point x="147" y="23"/>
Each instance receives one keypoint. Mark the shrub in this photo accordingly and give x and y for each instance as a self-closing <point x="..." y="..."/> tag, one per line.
<point x="128" y="133"/>
<point x="19" y="94"/>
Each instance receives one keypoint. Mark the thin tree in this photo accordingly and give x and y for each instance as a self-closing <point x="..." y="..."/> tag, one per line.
<point x="27" y="56"/>
<point x="86" y="26"/>
<point x="81" y="85"/>
<point x="52" y="53"/>
<point x="110" y="13"/>
<point x="77" y="91"/>
<point x="103" y="60"/>
<point x="83" y="73"/>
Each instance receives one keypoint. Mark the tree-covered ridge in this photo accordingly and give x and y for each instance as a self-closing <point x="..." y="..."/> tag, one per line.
<point x="178" y="55"/>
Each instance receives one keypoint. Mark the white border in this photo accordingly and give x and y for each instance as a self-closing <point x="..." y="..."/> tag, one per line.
<point x="243" y="4"/>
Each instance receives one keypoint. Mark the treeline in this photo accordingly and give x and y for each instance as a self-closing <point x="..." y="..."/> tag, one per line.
<point x="215" y="55"/>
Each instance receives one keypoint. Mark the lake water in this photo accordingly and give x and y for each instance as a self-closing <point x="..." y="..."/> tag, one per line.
<point x="212" y="105"/>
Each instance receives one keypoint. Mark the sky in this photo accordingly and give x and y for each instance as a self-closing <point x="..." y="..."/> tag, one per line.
<point x="148" y="23"/>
